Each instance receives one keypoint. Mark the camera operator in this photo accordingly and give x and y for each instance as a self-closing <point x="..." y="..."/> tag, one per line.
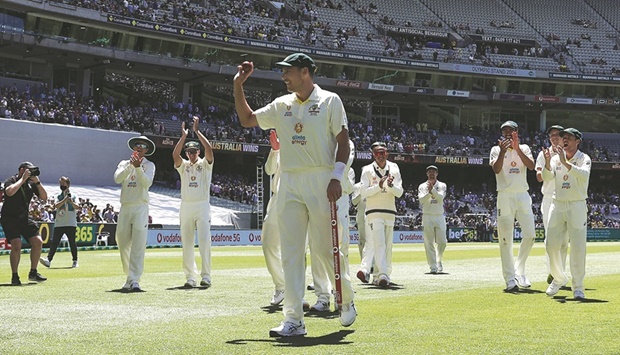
<point x="19" y="190"/>
<point x="66" y="222"/>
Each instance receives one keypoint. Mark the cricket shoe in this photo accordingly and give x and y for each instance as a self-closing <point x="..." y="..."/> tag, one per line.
<point x="205" y="282"/>
<point x="75" y="264"/>
<point x="554" y="288"/>
<point x="384" y="281"/>
<point x="190" y="283"/>
<point x="511" y="286"/>
<point x="45" y="262"/>
<point x="288" y="329"/>
<point x="522" y="281"/>
<point x="320" y="306"/>
<point x="135" y="286"/>
<point x="35" y="276"/>
<point x="127" y="285"/>
<point x="579" y="295"/>
<point x="363" y="276"/>
<point x="439" y="267"/>
<point x="15" y="281"/>
<point x="348" y="313"/>
<point x="278" y="297"/>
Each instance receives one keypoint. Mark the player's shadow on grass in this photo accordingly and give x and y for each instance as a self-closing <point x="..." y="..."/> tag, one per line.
<point x="23" y="284"/>
<point x="272" y="309"/>
<point x="527" y="291"/>
<point x="61" y="267"/>
<point x="564" y="299"/>
<point x="392" y="286"/>
<point x="324" y="315"/>
<point x="337" y="338"/>
<point x="124" y="290"/>
<point x="186" y="288"/>
<point x="437" y="273"/>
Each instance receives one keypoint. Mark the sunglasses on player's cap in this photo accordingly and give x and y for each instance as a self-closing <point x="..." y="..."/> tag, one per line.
<point x="378" y="145"/>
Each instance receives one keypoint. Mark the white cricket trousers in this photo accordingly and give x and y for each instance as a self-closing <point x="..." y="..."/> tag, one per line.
<point x="270" y="240"/>
<point x="379" y="239"/>
<point x="360" y="220"/>
<point x="320" y="275"/>
<point x="568" y="221"/>
<point x="131" y="233"/>
<point x="303" y="209"/>
<point x="544" y="208"/>
<point x="434" y="231"/>
<point x="511" y="205"/>
<point x="196" y="217"/>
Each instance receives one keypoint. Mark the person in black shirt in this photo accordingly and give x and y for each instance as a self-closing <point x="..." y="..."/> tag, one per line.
<point x="16" y="222"/>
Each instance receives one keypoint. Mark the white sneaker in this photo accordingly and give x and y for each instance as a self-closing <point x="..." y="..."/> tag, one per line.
<point x="45" y="262"/>
<point x="433" y="271"/>
<point x="278" y="297"/>
<point x="205" y="282"/>
<point x="554" y="288"/>
<point x="135" y="286"/>
<point x="511" y="286"/>
<point x="127" y="285"/>
<point x="384" y="281"/>
<point x="348" y="313"/>
<point x="522" y="281"/>
<point x="579" y="295"/>
<point x="190" y="283"/>
<point x="439" y="267"/>
<point x="288" y="329"/>
<point x="320" y="306"/>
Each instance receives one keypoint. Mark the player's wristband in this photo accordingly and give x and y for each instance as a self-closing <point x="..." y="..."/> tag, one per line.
<point x="338" y="172"/>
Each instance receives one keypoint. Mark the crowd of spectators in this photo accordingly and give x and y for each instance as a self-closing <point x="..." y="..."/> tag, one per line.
<point x="43" y="211"/>
<point x="155" y="114"/>
<point x="300" y="20"/>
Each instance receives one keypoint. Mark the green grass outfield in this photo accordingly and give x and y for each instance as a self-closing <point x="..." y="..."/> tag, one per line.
<point x="464" y="311"/>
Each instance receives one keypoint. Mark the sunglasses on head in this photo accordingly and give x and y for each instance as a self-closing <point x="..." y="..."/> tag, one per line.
<point x="140" y="145"/>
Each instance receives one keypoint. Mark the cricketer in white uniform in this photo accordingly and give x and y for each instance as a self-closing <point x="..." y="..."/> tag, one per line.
<point x="381" y="185"/>
<point x="195" y="211"/>
<point x="136" y="177"/>
<point x="431" y="194"/>
<point x="569" y="171"/>
<point x="547" y="190"/>
<point x="360" y="217"/>
<point x="510" y="161"/>
<point x="270" y="233"/>
<point x="320" y="275"/>
<point x="311" y="123"/>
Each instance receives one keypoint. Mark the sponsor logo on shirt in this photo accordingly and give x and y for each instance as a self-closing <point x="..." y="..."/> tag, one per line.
<point x="514" y="169"/>
<point x="314" y="110"/>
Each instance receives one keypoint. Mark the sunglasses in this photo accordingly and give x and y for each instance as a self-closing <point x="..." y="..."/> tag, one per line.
<point x="141" y="145"/>
<point x="380" y="152"/>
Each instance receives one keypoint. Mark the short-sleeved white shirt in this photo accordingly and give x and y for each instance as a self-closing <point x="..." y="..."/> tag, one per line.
<point x="306" y="130"/>
<point x="513" y="176"/>
<point x="195" y="180"/>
